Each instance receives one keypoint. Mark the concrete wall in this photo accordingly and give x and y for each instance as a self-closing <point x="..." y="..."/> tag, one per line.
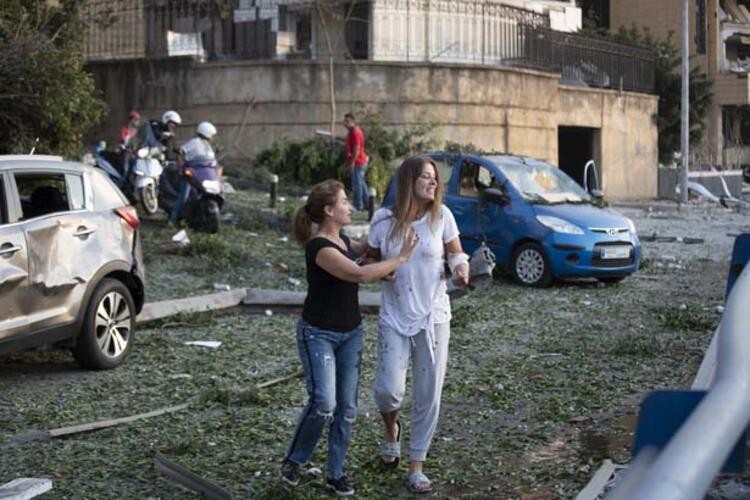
<point x="511" y="110"/>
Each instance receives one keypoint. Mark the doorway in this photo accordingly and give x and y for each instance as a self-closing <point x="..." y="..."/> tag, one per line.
<point x="575" y="147"/>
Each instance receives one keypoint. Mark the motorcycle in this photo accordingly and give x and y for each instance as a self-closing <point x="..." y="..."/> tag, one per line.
<point x="147" y="171"/>
<point x="202" y="209"/>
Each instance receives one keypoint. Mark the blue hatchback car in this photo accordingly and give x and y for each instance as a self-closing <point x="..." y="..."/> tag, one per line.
<point x="539" y="222"/>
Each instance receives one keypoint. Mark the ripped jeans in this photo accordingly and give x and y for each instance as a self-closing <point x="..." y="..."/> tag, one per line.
<point x="331" y="362"/>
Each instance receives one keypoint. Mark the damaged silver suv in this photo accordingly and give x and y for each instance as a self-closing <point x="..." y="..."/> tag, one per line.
<point x="70" y="260"/>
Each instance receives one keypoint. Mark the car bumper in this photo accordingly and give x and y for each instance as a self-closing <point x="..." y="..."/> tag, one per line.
<point x="587" y="255"/>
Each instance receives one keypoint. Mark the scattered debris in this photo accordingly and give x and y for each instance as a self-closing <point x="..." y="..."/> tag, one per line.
<point x="294" y="281"/>
<point x="284" y="239"/>
<point x="178" y="376"/>
<point x="213" y="344"/>
<point x="719" y="310"/>
<point x="230" y="218"/>
<point x="181" y="238"/>
<point x="222" y="286"/>
<point x="596" y="486"/>
<point x="24" y="488"/>
<point x="189" y="479"/>
<point x="202" y="303"/>
<point x="41" y="435"/>
<point x="252" y="235"/>
<point x="279" y="380"/>
<point x="314" y="472"/>
<point x="269" y="245"/>
<point x="586" y="302"/>
<point x="268" y="312"/>
<point x="281" y="267"/>
<point x="683" y="307"/>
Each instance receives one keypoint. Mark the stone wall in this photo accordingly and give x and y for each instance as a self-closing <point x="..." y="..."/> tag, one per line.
<point x="256" y="103"/>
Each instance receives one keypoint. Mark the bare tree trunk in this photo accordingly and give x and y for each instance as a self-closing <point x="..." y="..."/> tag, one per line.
<point x="331" y="82"/>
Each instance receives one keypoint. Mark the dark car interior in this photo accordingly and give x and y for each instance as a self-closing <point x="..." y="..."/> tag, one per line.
<point x="42" y="194"/>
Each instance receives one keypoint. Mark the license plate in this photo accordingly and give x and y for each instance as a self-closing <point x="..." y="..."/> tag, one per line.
<point x="619" y="252"/>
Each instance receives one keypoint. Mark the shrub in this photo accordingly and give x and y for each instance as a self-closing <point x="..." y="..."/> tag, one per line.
<point x="310" y="161"/>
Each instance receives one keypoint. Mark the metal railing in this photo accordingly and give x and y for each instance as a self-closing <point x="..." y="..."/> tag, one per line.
<point x="469" y="31"/>
<point x="584" y="60"/>
<point x="688" y="464"/>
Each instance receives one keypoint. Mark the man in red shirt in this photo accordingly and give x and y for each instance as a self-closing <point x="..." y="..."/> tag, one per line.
<point x="356" y="161"/>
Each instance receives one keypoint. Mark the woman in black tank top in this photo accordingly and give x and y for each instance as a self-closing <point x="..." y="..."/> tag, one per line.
<point x="329" y="333"/>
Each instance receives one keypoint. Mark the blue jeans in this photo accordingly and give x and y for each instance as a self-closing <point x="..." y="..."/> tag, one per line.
<point x="331" y="362"/>
<point x="182" y="197"/>
<point x="360" y="191"/>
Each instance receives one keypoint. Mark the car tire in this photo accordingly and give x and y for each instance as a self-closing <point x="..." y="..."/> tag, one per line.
<point x="530" y="266"/>
<point x="611" y="279"/>
<point x="106" y="336"/>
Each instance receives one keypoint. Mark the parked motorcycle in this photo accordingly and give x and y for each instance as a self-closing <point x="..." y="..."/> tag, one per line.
<point x="202" y="210"/>
<point x="147" y="171"/>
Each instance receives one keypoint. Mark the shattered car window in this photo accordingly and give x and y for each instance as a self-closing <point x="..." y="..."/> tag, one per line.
<point x="106" y="194"/>
<point x="41" y="194"/>
<point x="540" y="182"/>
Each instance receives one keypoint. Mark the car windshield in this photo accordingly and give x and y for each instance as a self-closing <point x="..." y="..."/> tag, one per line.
<point x="540" y="182"/>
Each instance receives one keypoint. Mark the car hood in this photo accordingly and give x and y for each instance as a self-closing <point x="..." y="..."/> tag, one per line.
<point x="584" y="216"/>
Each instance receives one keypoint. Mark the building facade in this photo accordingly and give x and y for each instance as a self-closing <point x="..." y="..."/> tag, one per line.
<point x="720" y="44"/>
<point x="492" y="74"/>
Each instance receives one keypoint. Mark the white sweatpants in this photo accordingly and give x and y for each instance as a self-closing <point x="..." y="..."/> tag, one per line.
<point x="394" y="353"/>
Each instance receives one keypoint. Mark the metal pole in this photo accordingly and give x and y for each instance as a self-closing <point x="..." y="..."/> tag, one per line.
<point x="685" y="101"/>
<point x="371" y="203"/>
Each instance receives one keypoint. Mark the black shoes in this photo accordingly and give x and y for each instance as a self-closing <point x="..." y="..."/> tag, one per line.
<point x="290" y="473"/>
<point x="340" y="486"/>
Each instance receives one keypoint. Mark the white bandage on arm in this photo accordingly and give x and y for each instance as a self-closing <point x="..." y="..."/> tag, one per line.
<point x="456" y="259"/>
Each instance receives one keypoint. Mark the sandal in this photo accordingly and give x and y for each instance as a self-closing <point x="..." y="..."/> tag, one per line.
<point x="417" y="482"/>
<point x="391" y="449"/>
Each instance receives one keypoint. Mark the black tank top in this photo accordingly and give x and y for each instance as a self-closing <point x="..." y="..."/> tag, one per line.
<point x="331" y="303"/>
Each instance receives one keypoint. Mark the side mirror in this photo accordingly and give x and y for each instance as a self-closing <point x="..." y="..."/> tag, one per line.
<point x="495" y="195"/>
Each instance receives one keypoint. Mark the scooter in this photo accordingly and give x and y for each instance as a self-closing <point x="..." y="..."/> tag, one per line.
<point x="202" y="210"/>
<point x="147" y="171"/>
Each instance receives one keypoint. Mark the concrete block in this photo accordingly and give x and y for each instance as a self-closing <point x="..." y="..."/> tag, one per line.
<point x="24" y="488"/>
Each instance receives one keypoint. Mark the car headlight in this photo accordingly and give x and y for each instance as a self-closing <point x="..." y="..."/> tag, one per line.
<point x="213" y="187"/>
<point x="631" y="225"/>
<point x="558" y="225"/>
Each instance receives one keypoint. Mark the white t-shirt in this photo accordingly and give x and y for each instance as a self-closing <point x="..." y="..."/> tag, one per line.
<point x="416" y="299"/>
<point x="198" y="149"/>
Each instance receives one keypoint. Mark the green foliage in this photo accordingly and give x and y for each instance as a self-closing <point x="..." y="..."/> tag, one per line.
<point x="44" y="90"/>
<point x="668" y="85"/>
<point x="310" y="161"/>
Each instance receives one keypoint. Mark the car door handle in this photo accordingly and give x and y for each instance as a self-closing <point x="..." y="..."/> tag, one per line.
<point x="9" y="249"/>
<point x="83" y="231"/>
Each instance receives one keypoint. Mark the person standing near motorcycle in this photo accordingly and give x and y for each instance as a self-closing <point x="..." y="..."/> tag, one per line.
<point x="128" y="135"/>
<point x="197" y="149"/>
<point x="164" y="132"/>
<point x="130" y="130"/>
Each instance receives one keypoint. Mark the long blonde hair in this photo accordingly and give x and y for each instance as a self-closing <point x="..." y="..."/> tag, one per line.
<point x="407" y="206"/>
<point x="313" y="212"/>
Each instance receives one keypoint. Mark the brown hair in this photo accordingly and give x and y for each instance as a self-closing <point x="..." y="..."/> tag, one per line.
<point x="407" y="206"/>
<point x="312" y="212"/>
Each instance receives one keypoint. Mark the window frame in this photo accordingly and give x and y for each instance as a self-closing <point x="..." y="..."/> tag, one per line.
<point x="37" y="173"/>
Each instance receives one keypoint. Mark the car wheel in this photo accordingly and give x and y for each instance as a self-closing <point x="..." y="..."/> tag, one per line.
<point x="149" y="199"/>
<point x="530" y="267"/>
<point x="106" y="337"/>
<point x="611" y="279"/>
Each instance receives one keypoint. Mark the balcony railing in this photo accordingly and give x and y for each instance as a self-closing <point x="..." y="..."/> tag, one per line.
<point x="471" y="31"/>
<point x="583" y="60"/>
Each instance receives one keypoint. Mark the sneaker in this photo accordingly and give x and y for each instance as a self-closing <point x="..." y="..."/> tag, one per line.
<point x="290" y="473"/>
<point x="340" y="486"/>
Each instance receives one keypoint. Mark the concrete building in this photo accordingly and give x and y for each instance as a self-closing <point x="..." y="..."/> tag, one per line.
<point x="720" y="44"/>
<point x="489" y="73"/>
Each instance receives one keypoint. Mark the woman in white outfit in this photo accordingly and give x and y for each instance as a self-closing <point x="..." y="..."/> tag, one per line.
<point x="414" y="323"/>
